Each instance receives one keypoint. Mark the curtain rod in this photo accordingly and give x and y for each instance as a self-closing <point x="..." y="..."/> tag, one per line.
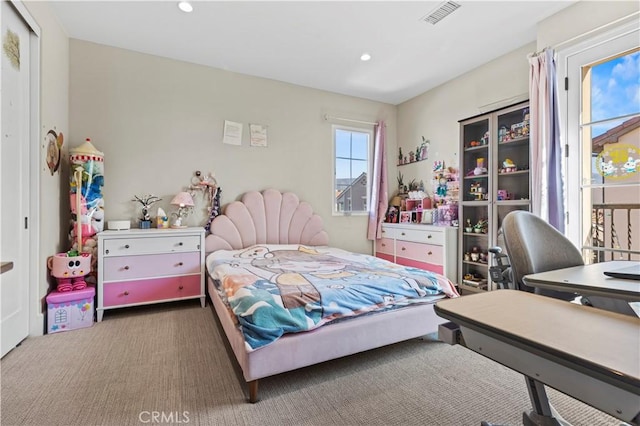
<point x="579" y="36"/>
<point x="327" y="117"/>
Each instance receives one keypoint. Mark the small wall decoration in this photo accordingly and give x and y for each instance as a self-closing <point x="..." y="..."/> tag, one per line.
<point x="258" y="135"/>
<point x="232" y="133"/>
<point x="53" y="142"/>
<point x="619" y="161"/>
<point x="11" y="48"/>
<point x="209" y="186"/>
<point x="420" y="154"/>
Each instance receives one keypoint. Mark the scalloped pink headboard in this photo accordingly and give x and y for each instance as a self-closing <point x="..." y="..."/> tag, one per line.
<point x="270" y="217"/>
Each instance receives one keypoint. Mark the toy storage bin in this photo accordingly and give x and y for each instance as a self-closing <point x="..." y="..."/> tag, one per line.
<point x="70" y="310"/>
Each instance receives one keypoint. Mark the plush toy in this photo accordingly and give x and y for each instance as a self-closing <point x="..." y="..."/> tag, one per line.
<point x="94" y="192"/>
<point x="69" y="270"/>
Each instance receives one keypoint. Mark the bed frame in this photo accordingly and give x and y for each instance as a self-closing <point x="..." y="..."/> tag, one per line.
<point x="272" y="217"/>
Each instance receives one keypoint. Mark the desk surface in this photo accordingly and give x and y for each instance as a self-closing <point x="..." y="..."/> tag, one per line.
<point x="589" y="280"/>
<point x="591" y="339"/>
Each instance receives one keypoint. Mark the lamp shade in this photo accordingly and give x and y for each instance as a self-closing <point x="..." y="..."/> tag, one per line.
<point x="183" y="199"/>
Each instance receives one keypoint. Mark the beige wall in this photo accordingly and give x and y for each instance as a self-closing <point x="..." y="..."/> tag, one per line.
<point x="54" y="114"/>
<point x="435" y="114"/>
<point x="158" y="120"/>
<point x="580" y="18"/>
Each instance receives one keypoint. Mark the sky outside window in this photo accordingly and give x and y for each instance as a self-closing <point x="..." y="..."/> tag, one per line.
<point x="615" y="89"/>
<point x="351" y="154"/>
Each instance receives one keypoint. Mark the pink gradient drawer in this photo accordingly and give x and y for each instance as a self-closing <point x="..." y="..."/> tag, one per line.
<point x="385" y="256"/>
<point x="132" y="267"/>
<point x="384" y="245"/>
<point x="146" y="291"/>
<point x="438" y="269"/>
<point x="421" y="252"/>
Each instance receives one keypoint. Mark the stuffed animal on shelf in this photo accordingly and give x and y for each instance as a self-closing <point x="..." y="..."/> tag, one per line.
<point x="69" y="269"/>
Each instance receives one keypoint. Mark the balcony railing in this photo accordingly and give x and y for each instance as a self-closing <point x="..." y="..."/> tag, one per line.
<point x="615" y="233"/>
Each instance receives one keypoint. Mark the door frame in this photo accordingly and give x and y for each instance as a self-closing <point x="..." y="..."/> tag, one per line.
<point x="569" y="107"/>
<point x="36" y="316"/>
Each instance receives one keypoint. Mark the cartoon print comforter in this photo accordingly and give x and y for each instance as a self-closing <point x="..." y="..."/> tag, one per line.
<point x="278" y="289"/>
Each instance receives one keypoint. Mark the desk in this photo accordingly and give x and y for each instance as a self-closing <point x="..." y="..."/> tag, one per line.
<point x="589" y="280"/>
<point x="589" y="354"/>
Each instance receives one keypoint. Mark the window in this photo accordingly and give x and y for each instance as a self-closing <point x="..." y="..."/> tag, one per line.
<point x="352" y="148"/>
<point x="602" y="134"/>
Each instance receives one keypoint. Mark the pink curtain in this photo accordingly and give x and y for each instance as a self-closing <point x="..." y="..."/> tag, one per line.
<point x="379" y="196"/>
<point x="547" y="195"/>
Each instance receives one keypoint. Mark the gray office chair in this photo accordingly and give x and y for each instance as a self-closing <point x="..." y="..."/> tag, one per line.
<point x="535" y="246"/>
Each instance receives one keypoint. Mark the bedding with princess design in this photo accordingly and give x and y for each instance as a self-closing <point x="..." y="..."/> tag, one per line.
<point x="276" y="289"/>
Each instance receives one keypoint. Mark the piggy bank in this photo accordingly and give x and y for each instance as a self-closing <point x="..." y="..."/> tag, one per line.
<point x="70" y="270"/>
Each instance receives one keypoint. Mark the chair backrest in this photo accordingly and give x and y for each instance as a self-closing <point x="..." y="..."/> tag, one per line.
<point x="535" y="246"/>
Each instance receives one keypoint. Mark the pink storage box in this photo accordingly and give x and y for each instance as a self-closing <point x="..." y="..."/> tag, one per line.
<point x="70" y="310"/>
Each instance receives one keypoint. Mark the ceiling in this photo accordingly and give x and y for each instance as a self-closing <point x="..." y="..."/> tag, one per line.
<point x="317" y="43"/>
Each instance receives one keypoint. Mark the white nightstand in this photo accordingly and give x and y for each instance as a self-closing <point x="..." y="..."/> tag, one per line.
<point x="144" y="266"/>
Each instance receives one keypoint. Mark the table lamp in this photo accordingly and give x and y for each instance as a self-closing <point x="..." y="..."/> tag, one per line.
<point x="184" y="201"/>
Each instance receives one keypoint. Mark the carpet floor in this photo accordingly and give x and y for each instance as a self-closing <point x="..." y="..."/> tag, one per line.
<point x="169" y="364"/>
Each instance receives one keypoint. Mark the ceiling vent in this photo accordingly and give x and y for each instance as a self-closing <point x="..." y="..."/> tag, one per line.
<point x="441" y="12"/>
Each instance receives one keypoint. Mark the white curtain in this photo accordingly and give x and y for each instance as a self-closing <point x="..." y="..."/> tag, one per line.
<point x="547" y="192"/>
<point x="379" y="193"/>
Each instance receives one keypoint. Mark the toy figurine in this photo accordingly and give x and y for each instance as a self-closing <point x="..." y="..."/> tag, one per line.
<point x="508" y="166"/>
<point x="69" y="269"/>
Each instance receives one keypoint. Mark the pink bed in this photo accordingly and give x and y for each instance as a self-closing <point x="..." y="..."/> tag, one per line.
<point x="275" y="218"/>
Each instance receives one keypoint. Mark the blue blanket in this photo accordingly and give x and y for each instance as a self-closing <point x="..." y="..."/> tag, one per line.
<point x="278" y="289"/>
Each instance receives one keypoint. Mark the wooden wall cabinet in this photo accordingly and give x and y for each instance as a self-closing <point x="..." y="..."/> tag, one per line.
<point x="494" y="163"/>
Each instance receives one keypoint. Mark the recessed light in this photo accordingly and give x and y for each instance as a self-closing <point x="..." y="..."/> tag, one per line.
<point x="365" y="57"/>
<point x="185" y="6"/>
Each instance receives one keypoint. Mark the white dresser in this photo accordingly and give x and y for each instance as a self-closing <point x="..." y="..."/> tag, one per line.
<point x="143" y="266"/>
<point x="429" y="247"/>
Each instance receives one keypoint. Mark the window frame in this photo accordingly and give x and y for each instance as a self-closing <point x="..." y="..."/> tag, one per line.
<point x="354" y="129"/>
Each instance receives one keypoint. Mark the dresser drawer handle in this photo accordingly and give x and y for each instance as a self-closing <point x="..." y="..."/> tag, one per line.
<point x="403" y="233"/>
<point x="126" y="246"/>
<point x="126" y="268"/>
<point x="126" y="293"/>
<point x="180" y="243"/>
<point x="180" y="263"/>
<point x="383" y="245"/>
<point x="181" y="287"/>
<point x="429" y="253"/>
<point x="428" y="236"/>
<point x="403" y="248"/>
